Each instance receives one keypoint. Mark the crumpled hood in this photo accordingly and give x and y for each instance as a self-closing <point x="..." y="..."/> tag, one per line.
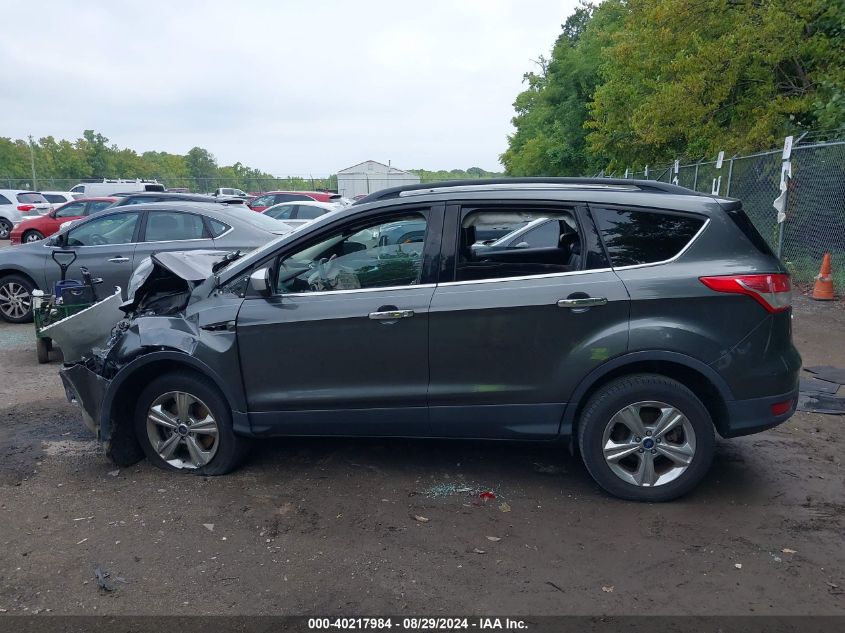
<point x="164" y="281"/>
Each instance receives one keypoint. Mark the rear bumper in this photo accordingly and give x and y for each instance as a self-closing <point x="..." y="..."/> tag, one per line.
<point x="754" y="415"/>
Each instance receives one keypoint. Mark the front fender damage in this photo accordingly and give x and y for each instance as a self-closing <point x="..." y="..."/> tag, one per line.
<point x="160" y="292"/>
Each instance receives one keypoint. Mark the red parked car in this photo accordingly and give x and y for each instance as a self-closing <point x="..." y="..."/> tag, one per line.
<point x="267" y="200"/>
<point x="34" y="229"/>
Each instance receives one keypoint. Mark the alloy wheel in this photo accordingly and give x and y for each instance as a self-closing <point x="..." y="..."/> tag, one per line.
<point x="5" y="229"/>
<point x="648" y="443"/>
<point x="182" y="430"/>
<point x="15" y="301"/>
<point x="33" y="237"/>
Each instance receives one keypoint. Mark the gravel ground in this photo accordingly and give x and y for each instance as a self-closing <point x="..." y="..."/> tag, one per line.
<point x="370" y="527"/>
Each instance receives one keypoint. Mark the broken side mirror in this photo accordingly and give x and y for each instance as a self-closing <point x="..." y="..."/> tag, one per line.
<point x="259" y="283"/>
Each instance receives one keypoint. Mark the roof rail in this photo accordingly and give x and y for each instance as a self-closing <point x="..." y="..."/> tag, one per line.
<point x="650" y="186"/>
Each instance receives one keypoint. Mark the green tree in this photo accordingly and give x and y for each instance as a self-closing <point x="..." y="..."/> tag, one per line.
<point x="550" y="137"/>
<point x="692" y="77"/>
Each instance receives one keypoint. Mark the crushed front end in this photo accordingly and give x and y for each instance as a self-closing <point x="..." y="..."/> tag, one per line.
<point x="153" y="321"/>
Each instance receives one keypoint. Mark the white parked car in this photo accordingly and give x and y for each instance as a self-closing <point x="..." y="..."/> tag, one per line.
<point x="230" y="192"/>
<point x="58" y="198"/>
<point x="107" y="188"/>
<point x="17" y="203"/>
<point x="300" y="212"/>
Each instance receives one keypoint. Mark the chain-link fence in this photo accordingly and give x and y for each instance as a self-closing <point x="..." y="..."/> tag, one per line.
<point x="815" y="200"/>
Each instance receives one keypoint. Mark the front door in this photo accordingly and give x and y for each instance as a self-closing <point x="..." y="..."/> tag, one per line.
<point x="342" y="347"/>
<point x="530" y="309"/>
<point x="105" y="246"/>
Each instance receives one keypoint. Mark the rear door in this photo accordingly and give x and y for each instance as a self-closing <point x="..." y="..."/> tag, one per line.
<point x="170" y="230"/>
<point x="513" y="329"/>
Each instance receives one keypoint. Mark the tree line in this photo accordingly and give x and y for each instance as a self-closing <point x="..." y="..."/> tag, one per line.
<point x="60" y="164"/>
<point x="631" y="83"/>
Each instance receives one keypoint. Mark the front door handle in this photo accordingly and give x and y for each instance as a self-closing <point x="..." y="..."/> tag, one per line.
<point x="391" y="315"/>
<point x="582" y="302"/>
<point x="117" y="260"/>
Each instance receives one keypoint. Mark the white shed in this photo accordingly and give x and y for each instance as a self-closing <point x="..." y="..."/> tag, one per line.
<point x="371" y="176"/>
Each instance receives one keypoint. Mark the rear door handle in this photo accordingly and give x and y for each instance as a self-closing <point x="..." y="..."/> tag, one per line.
<point x="117" y="260"/>
<point x="391" y="315"/>
<point x="583" y="302"/>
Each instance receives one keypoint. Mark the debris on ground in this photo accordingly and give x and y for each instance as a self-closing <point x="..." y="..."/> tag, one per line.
<point x="738" y="565"/>
<point x="786" y="550"/>
<point x="487" y="496"/>
<point x="504" y="507"/>
<point x="208" y="526"/>
<point x="548" y="469"/>
<point x="495" y="539"/>
<point x="421" y="518"/>
<point x="549" y="582"/>
<point x="102" y="579"/>
<point x="476" y="550"/>
<point x="114" y="473"/>
<point x="608" y="589"/>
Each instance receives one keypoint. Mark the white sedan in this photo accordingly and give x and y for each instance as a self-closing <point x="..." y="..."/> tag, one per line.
<point x="299" y="212"/>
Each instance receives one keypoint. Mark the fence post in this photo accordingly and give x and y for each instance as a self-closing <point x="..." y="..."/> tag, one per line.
<point x="695" y="177"/>
<point x="730" y="173"/>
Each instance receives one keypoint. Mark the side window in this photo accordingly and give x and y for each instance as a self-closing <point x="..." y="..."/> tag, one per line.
<point x="515" y="242"/>
<point x="643" y="237"/>
<point x="281" y="212"/>
<point x="165" y="226"/>
<point x="263" y="201"/>
<point x="218" y="228"/>
<point x="383" y="254"/>
<point x="71" y="210"/>
<point x="4" y="200"/>
<point x="54" y="198"/>
<point x="117" y="228"/>
<point x="291" y="197"/>
<point x="97" y="205"/>
<point x="308" y="213"/>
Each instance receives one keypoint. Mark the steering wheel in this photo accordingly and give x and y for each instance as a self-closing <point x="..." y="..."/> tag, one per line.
<point x="98" y="240"/>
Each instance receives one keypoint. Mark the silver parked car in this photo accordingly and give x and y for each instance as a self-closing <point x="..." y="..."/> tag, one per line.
<point x="111" y="243"/>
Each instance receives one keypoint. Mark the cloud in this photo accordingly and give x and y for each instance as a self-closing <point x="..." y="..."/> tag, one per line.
<point x="291" y="88"/>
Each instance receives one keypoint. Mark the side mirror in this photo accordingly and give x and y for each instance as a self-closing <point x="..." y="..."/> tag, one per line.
<point x="259" y="283"/>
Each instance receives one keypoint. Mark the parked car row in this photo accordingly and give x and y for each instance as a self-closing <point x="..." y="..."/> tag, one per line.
<point x="111" y="242"/>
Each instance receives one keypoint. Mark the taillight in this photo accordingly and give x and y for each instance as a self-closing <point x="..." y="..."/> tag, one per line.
<point x="779" y="408"/>
<point x="26" y="207"/>
<point x="773" y="292"/>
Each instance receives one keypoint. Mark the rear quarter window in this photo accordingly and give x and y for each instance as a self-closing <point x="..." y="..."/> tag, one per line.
<point x="643" y="237"/>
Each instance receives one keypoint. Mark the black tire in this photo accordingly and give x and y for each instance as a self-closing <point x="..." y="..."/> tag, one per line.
<point x="230" y="449"/>
<point x="9" y="286"/>
<point x="620" y="393"/>
<point x="42" y="349"/>
<point x="5" y="229"/>
<point x="32" y="236"/>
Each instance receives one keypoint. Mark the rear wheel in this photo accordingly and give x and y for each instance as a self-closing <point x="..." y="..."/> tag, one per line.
<point x="184" y="424"/>
<point x="32" y="236"/>
<point x="43" y="345"/>
<point x="5" y="229"/>
<point x="646" y="438"/>
<point x="16" y="299"/>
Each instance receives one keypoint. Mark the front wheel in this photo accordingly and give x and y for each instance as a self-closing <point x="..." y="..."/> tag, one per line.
<point x="16" y="299"/>
<point x="32" y="236"/>
<point x="184" y="424"/>
<point x="646" y="437"/>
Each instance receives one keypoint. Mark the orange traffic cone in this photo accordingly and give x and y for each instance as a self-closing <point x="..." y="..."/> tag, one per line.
<point x="823" y="290"/>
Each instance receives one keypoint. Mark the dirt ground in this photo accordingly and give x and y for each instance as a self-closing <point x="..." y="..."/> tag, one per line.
<point x="329" y="527"/>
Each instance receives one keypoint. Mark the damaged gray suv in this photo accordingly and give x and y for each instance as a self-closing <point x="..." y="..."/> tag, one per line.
<point x="633" y="320"/>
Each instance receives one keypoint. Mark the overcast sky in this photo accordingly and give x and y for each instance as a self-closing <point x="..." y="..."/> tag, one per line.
<point x="288" y="87"/>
